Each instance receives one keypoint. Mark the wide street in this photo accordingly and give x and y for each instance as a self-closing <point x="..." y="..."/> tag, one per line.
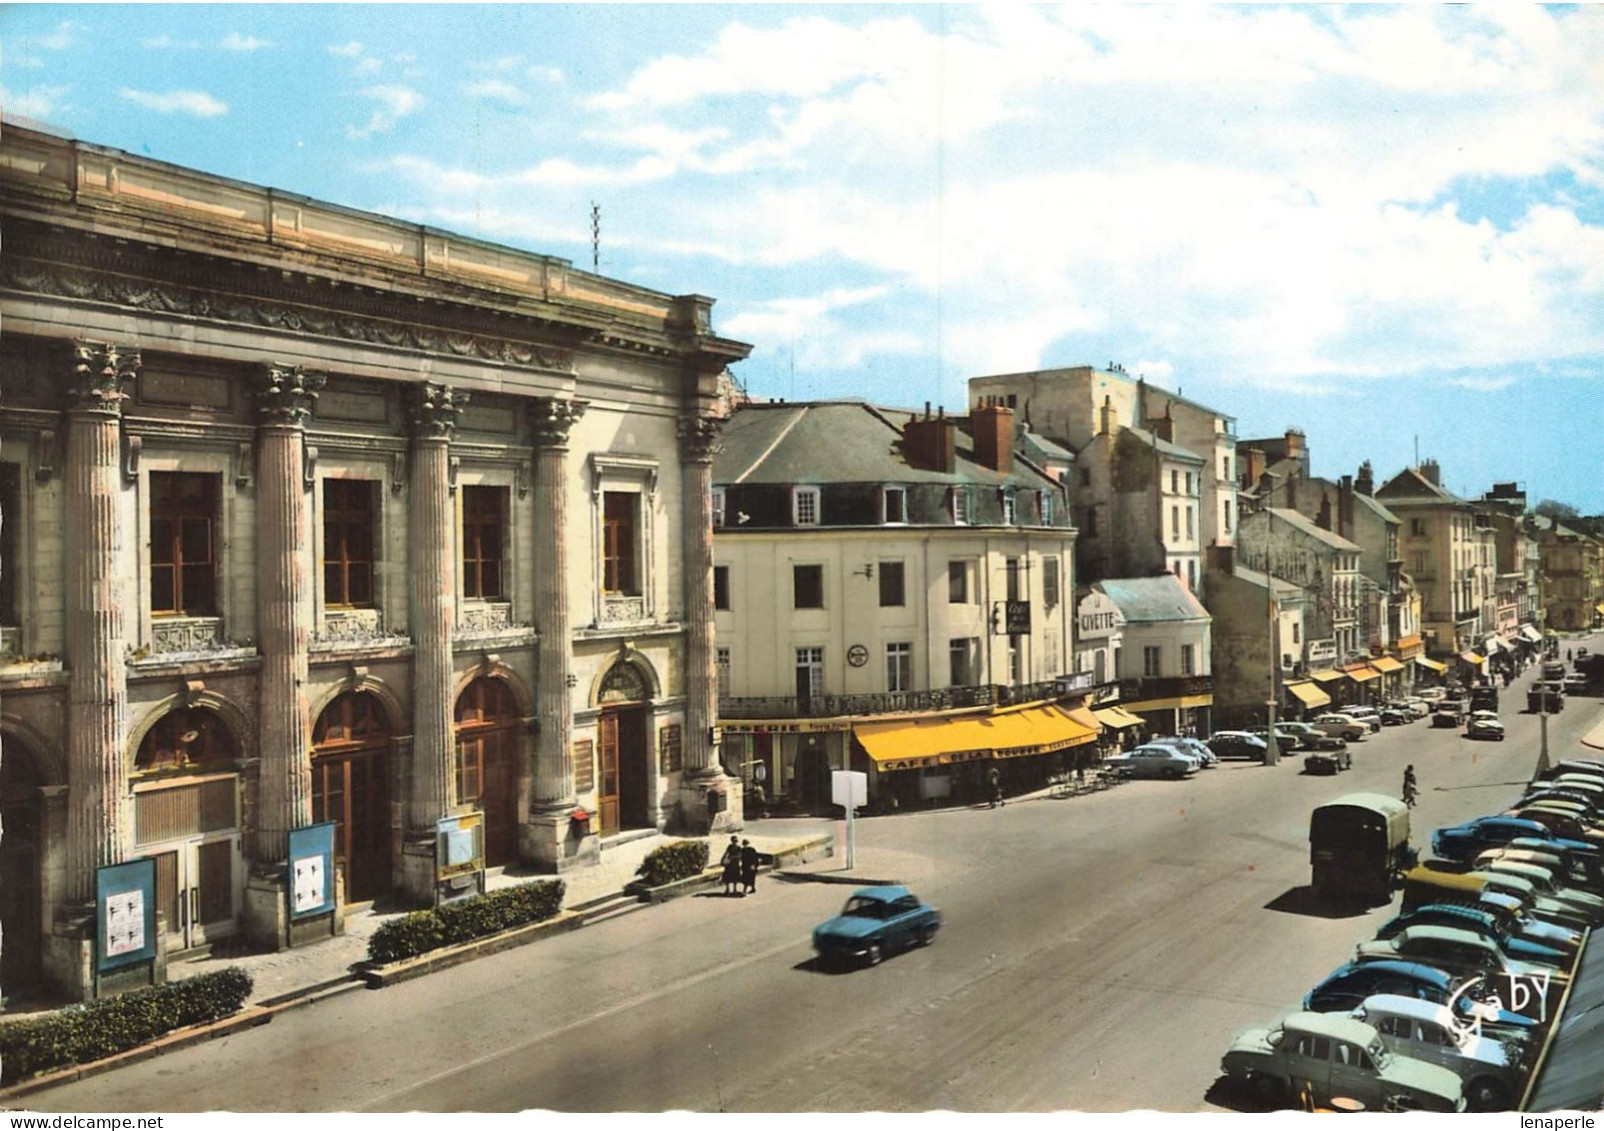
<point x="1098" y="953"/>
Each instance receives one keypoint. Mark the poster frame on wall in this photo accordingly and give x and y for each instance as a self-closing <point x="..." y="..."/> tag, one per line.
<point x="311" y="868"/>
<point x="125" y="914"/>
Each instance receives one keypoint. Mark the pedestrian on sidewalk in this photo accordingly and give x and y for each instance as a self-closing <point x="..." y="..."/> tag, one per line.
<point x="748" y="868"/>
<point x="994" y="780"/>
<point x="731" y="861"/>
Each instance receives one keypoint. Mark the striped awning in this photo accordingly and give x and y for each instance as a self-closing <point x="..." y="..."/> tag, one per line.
<point x="1308" y="694"/>
<point x="1386" y="664"/>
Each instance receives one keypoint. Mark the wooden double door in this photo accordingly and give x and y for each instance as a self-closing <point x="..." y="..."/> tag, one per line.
<point x="489" y="749"/>
<point x="21" y="910"/>
<point x="624" y="753"/>
<point x="351" y="768"/>
<point x="196" y="884"/>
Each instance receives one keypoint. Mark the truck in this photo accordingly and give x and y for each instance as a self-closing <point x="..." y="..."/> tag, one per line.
<point x="1545" y="696"/>
<point x="1484" y="698"/>
<point x="1359" y="847"/>
<point x="1449" y="712"/>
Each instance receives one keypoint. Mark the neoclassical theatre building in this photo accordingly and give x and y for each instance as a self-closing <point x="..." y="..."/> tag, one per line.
<point x="312" y="515"/>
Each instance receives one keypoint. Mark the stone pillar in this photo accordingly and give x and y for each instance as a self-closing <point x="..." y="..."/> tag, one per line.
<point x="549" y="838"/>
<point x="285" y="398"/>
<point x="97" y="689"/>
<point x="707" y="799"/>
<point x="431" y="782"/>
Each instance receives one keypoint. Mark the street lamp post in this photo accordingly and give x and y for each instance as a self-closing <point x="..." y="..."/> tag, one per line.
<point x="1272" y="750"/>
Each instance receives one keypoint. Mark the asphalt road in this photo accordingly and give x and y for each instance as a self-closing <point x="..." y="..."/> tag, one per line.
<point x="1098" y="954"/>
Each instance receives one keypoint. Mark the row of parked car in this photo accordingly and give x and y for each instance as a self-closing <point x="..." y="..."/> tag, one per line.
<point x="1443" y="1009"/>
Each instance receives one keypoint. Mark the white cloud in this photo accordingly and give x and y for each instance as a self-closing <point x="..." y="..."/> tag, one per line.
<point x="234" y="41"/>
<point x="496" y="90"/>
<point x="351" y="50"/>
<point x="1482" y="384"/>
<point x="194" y="102"/>
<point x="395" y="103"/>
<point x="39" y="102"/>
<point x="542" y="73"/>
<point x="63" y="37"/>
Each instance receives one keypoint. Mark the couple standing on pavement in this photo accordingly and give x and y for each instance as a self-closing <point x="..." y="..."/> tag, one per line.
<point x="740" y="867"/>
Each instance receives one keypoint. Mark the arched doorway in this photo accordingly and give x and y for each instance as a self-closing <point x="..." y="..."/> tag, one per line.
<point x="624" y="750"/>
<point x="21" y="852"/>
<point x="351" y="787"/>
<point x="488" y="763"/>
<point x="186" y="818"/>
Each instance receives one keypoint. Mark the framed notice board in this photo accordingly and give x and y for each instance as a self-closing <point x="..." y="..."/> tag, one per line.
<point x="125" y="914"/>
<point x="668" y="740"/>
<point x="584" y="766"/>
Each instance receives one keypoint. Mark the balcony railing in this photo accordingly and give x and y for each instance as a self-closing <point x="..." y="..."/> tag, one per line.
<point x="1165" y="687"/>
<point x="881" y="703"/>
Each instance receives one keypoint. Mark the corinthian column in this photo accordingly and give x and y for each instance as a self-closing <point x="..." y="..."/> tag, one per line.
<point x="97" y="689"/>
<point x="698" y="437"/>
<point x="285" y="399"/>
<point x="546" y="839"/>
<point x="432" y="784"/>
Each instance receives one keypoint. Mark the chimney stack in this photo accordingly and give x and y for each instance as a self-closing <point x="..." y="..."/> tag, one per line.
<point x="1251" y="467"/>
<point x="1345" y="491"/>
<point x="1431" y="472"/>
<point x="992" y="423"/>
<point x="1365" y="484"/>
<point x="1295" y="445"/>
<point x="929" y="444"/>
<point x="1164" y="426"/>
<point x="1106" y="417"/>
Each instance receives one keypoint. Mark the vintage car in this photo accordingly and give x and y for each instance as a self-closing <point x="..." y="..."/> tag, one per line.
<point x="1237" y="744"/>
<point x="1187" y="745"/>
<point x="1345" y="727"/>
<point x="1457" y="951"/>
<point x="1364" y="714"/>
<point x="1463" y="842"/>
<point x="1489" y="1067"/>
<point x="1346" y="988"/>
<point x="1397" y="716"/>
<point x="1152" y="761"/>
<point x="1484" y="724"/>
<point x="1328" y="761"/>
<point x="1310" y="1058"/>
<point x="1449" y="713"/>
<point x="1549" y="697"/>
<point x="875" y="922"/>
<point x="1478" y="921"/>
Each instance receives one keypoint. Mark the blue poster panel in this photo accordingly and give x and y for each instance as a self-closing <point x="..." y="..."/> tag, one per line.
<point x="312" y="870"/>
<point x="125" y="914"/>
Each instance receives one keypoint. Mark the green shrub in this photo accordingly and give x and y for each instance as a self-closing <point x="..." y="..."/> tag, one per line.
<point x="422" y="931"/>
<point x="99" y="1029"/>
<point x="676" y="860"/>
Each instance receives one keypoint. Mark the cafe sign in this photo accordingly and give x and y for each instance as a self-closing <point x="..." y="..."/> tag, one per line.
<point x="1097" y="617"/>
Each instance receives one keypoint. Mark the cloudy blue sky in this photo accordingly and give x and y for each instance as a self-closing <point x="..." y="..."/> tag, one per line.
<point x="1381" y="224"/>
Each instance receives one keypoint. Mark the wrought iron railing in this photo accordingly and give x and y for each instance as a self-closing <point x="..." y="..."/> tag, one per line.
<point x="882" y="703"/>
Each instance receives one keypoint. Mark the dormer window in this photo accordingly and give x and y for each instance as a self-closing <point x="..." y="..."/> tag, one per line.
<point x="718" y="506"/>
<point x="804" y="506"/>
<point x="893" y="506"/>
<point x="1045" y="505"/>
<point x="960" y="506"/>
<point x="1008" y="508"/>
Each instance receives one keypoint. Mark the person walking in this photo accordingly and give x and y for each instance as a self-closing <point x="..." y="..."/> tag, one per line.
<point x="1410" y="791"/>
<point x="994" y="780"/>
<point x="731" y="861"/>
<point x="748" y="868"/>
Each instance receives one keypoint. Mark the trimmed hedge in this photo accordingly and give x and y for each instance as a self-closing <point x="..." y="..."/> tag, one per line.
<point x="82" y="1033"/>
<point x="677" y="860"/>
<point x="422" y="931"/>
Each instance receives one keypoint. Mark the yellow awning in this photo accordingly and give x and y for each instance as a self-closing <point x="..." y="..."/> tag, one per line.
<point x="1473" y="658"/>
<point x="1173" y="703"/>
<point x="1325" y="675"/>
<point x="1361" y="673"/>
<point x="1309" y="694"/>
<point x="1598" y="608"/>
<point x="1042" y="730"/>
<point x="906" y="745"/>
<point x="1116" y="717"/>
<point x="1432" y="664"/>
<point x="1386" y="664"/>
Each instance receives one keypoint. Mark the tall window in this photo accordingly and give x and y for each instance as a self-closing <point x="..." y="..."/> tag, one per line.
<point x="1008" y="508"/>
<point x="721" y="587"/>
<point x="484" y="512"/>
<point x="183" y="543"/>
<point x="1011" y="579"/>
<point x="621" y="542"/>
<point x="960" y="506"/>
<point x="1049" y="582"/>
<point x="957" y="583"/>
<point x="894" y="505"/>
<point x="807" y="586"/>
<point x="1175" y="522"/>
<point x="962" y="657"/>
<point x="721" y="660"/>
<point x="1189" y="522"/>
<point x="1152" y="667"/>
<point x="1191" y="575"/>
<point x="1175" y="482"/>
<point x="899" y="667"/>
<point x="718" y="506"/>
<point x="1045" y="505"/>
<point x="1228" y="516"/>
<point x="10" y="515"/>
<point x="892" y="595"/>
<point x="348" y="520"/>
<point x="1186" y="660"/>
<point x="809" y="672"/>
<point x="805" y="506"/>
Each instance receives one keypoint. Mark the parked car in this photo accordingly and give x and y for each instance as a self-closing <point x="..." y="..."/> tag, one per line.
<point x="1489" y="1068"/>
<point x="1549" y="697"/>
<point x="1575" y="683"/>
<point x="1397" y="716"/>
<point x="1187" y="745"/>
<point x="875" y="922"/>
<point x="1448" y="713"/>
<point x="1460" y="952"/>
<point x="1415" y="703"/>
<point x="1463" y="842"/>
<point x="1567" y="819"/>
<point x="1316" y="1056"/>
<point x="1484" y="724"/>
<point x="1430" y="694"/>
<point x="1289" y="736"/>
<point x="1153" y="761"/>
<point x="1365" y="714"/>
<point x="1238" y="744"/>
<point x="1573" y="869"/>
<point x="1518" y="921"/>
<point x="1346" y="988"/>
<point x="1480" y="921"/>
<point x="1580" y="766"/>
<point x="1548" y="883"/>
<point x="1345" y="727"/>
<point x="1565" y="792"/>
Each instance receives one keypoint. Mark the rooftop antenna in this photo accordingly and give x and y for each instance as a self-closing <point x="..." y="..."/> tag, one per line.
<point x="1417" y="449"/>
<point x="595" y="237"/>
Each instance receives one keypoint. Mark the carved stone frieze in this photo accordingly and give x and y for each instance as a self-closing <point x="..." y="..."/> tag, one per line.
<point x="288" y="394"/>
<point x="99" y="374"/>
<point x="698" y="438"/>
<point x="186" y="634"/>
<point x="552" y="418"/>
<point x="435" y="410"/>
<point x="195" y="302"/>
<point x="623" y="610"/>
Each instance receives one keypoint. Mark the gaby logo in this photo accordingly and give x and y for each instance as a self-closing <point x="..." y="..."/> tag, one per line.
<point x="1525" y="992"/>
